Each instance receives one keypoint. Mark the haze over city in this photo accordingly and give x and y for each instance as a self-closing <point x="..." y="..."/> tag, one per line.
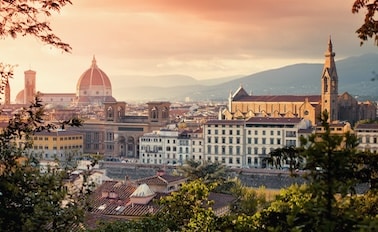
<point x="203" y="39"/>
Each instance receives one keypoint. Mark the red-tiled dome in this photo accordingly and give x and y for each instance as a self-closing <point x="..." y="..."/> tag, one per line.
<point x="94" y="86"/>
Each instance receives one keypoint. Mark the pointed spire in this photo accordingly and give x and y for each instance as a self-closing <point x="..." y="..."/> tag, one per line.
<point x="329" y="52"/>
<point x="330" y="44"/>
<point x="94" y="62"/>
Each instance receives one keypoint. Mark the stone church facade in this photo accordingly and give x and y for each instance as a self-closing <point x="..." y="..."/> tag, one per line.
<point x="242" y="105"/>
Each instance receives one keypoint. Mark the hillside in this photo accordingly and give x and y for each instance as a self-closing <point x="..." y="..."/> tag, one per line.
<point x="355" y="74"/>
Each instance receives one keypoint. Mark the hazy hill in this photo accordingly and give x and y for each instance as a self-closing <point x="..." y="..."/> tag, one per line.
<point x="355" y="74"/>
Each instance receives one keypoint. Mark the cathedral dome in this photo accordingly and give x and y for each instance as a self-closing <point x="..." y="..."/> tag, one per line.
<point x="94" y="86"/>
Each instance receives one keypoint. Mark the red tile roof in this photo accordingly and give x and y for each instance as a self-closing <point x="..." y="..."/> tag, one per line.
<point x="279" y="98"/>
<point x="263" y="120"/>
<point x="225" y="122"/>
<point x="112" y="198"/>
<point x="160" y="180"/>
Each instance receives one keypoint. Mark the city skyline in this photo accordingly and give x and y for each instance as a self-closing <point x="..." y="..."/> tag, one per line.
<point x="203" y="39"/>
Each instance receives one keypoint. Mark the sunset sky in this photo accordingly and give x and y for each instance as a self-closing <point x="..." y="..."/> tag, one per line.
<point x="200" y="38"/>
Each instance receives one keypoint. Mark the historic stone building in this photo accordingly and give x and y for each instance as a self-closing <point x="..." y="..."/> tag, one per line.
<point x="343" y="107"/>
<point x="92" y="89"/>
<point x="118" y="134"/>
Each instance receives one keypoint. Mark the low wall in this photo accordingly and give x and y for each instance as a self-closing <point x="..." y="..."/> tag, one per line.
<point x="271" y="179"/>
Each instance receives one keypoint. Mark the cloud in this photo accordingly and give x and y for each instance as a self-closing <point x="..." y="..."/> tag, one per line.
<point x="203" y="38"/>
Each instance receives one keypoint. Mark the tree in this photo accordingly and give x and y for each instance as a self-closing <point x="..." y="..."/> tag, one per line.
<point x="328" y="201"/>
<point x="287" y="154"/>
<point x="209" y="173"/>
<point x="188" y="209"/>
<point x="249" y="201"/>
<point x="369" y="28"/>
<point x="29" y="200"/>
<point x="20" y="17"/>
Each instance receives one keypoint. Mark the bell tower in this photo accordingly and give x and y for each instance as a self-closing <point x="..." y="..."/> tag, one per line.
<point x="330" y="82"/>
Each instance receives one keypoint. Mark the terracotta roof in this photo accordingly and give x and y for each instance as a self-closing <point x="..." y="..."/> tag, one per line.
<point x="159" y="180"/>
<point x="263" y="120"/>
<point x="225" y="122"/>
<point x="367" y="126"/>
<point x="57" y="133"/>
<point x="113" y="198"/>
<point x="280" y="98"/>
<point x="220" y="199"/>
<point x="94" y="76"/>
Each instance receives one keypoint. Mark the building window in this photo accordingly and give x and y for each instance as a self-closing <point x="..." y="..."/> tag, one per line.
<point x="230" y="150"/>
<point x="256" y="140"/>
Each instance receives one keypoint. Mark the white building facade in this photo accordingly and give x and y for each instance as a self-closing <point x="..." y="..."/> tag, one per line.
<point x="234" y="143"/>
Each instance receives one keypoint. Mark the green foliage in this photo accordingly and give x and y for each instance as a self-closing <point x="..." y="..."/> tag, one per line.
<point x="188" y="209"/>
<point x="369" y="28"/>
<point x="23" y="18"/>
<point x="143" y="225"/>
<point x="328" y="201"/>
<point x="29" y="200"/>
<point x="287" y="154"/>
<point x="290" y="211"/>
<point x="249" y="200"/>
<point x="209" y="173"/>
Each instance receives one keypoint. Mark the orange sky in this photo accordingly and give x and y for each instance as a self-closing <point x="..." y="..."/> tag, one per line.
<point x="201" y="38"/>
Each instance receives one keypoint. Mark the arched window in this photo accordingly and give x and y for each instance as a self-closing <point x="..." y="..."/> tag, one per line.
<point x="110" y="112"/>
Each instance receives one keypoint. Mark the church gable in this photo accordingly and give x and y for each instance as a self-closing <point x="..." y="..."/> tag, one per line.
<point x="240" y="93"/>
<point x="238" y="115"/>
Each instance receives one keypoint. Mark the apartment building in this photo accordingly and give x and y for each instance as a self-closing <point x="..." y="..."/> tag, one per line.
<point x="224" y="142"/>
<point x="234" y="143"/>
<point x="196" y="137"/>
<point x="367" y="135"/>
<point x="159" y="147"/>
<point x="59" y="144"/>
<point x="265" y="134"/>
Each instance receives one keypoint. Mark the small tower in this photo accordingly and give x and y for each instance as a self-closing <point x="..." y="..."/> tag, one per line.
<point x="7" y="93"/>
<point x="158" y="112"/>
<point x="330" y="82"/>
<point x="29" y="90"/>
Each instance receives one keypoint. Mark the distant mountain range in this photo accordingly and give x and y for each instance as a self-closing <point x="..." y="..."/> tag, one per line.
<point x="355" y="77"/>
